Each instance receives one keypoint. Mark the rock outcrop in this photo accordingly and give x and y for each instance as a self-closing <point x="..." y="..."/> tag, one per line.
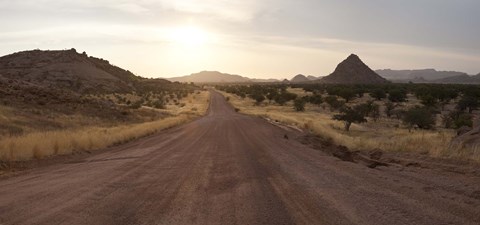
<point x="353" y="71"/>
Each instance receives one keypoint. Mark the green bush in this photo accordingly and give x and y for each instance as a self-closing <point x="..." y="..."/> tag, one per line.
<point x="397" y="95"/>
<point x="378" y="94"/>
<point x="334" y="103"/>
<point x="422" y="117"/>
<point x="137" y="104"/>
<point x="299" y="104"/>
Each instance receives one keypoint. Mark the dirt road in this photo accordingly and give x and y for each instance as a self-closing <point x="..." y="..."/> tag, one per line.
<point x="228" y="168"/>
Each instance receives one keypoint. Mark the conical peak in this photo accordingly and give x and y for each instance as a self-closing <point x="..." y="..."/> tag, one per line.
<point x="353" y="57"/>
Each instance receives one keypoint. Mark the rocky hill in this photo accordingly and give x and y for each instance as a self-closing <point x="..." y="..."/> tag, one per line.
<point x="265" y="80"/>
<point x="75" y="72"/>
<point x="218" y="77"/>
<point x="353" y="71"/>
<point x="211" y="77"/>
<point x="67" y="69"/>
<point x="310" y="77"/>
<point x="300" y="78"/>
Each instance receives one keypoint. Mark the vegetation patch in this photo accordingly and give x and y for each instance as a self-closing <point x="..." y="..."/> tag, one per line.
<point x="421" y="118"/>
<point x="40" y="144"/>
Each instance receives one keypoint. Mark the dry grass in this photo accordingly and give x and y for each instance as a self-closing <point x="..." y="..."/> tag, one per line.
<point x="192" y="104"/>
<point x="298" y="91"/>
<point x="381" y="134"/>
<point x="60" y="142"/>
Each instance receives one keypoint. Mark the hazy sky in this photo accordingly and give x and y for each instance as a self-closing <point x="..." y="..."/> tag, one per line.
<point x="268" y="38"/>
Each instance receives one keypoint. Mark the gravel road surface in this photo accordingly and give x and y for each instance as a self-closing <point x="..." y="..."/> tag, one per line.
<point x="229" y="168"/>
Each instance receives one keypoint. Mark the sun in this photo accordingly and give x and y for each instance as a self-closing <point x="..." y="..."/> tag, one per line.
<point x="189" y="36"/>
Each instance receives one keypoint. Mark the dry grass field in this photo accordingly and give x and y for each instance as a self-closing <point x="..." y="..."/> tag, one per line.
<point x="38" y="144"/>
<point x="387" y="134"/>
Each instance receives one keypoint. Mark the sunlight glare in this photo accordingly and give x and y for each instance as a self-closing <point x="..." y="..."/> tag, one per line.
<point x="189" y="36"/>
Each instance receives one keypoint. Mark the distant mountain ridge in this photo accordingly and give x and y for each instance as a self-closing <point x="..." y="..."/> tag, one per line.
<point x="218" y="77"/>
<point x="429" y="76"/>
<point x="460" y="79"/>
<point x="353" y="71"/>
<point x="350" y="71"/>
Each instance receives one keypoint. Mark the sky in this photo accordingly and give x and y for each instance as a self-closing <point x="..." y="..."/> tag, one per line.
<point x="253" y="38"/>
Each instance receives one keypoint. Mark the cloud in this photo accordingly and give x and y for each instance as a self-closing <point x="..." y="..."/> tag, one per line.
<point x="226" y="9"/>
<point x="131" y="7"/>
<point x="313" y="32"/>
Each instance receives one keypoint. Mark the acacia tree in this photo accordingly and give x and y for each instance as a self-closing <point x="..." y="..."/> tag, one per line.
<point x="271" y="95"/>
<point x="259" y="98"/>
<point x="378" y="94"/>
<point x="350" y="115"/>
<point x="389" y="107"/>
<point x="469" y="103"/>
<point x="346" y="93"/>
<point x="375" y="112"/>
<point x="457" y="119"/>
<point x="397" y="95"/>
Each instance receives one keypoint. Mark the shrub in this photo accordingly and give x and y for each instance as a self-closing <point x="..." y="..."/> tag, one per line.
<point x="280" y="100"/>
<point x="284" y="97"/>
<point x="397" y="95"/>
<point x="463" y="119"/>
<point x="315" y="99"/>
<point x="334" y="103"/>
<point x="346" y="93"/>
<point x="259" y="98"/>
<point x="428" y="100"/>
<point x="159" y="104"/>
<point x="421" y="117"/>
<point x="136" y="105"/>
<point x="457" y="119"/>
<point x="373" y="110"/>
<point x="271" y="95"/>
<point x="299" y="104"/>
<point x="378" y="94"/>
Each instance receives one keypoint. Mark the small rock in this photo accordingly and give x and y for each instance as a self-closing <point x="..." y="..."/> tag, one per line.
<point x="343" y="153"/>
<point x="373" y="165"/>
<point x="376" y="154"/>
<point x="413" y="164"/>
<point x="463" y="130"/>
